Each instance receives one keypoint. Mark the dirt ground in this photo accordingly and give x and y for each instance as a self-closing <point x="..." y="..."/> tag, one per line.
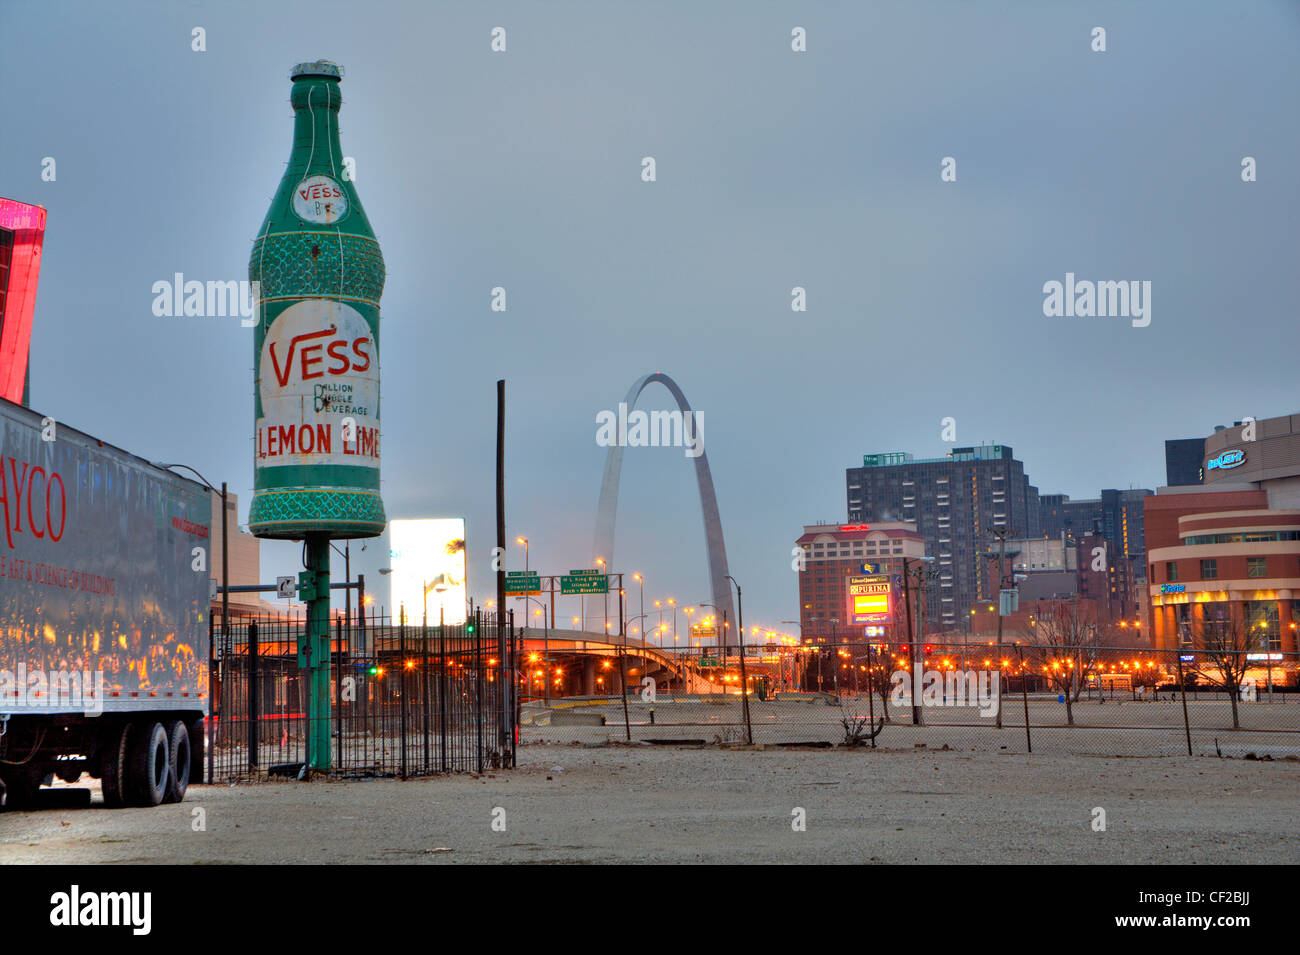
<point x="639" y="804"/>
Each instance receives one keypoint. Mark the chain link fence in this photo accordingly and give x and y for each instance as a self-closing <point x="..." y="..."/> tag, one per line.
<point x="1027" y="698"/>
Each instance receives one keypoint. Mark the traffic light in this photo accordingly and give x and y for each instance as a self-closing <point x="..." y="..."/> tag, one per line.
<point x="928" y="649"/>
<point x="469" y="627"/>
<point x="373" y="669"/>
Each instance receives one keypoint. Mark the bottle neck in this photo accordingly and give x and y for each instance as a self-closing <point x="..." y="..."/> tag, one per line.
<point x="316" y="147"/>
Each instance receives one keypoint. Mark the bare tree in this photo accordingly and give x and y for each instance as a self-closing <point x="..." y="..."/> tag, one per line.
<point x="1223" y="641"/>
<point x="860" y="728"/>
<point x="1068" y="639"/>
<point x="879" y="679"/>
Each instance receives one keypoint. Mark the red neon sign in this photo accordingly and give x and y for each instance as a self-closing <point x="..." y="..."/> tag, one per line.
<point x="855" y="527"/>
<point x="18" y="291"/>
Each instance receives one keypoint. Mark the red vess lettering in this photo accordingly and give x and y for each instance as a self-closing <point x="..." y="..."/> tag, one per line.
<point x="308" y="361"/>
<point x="309" y="357"/>
<point x="356" y="347"/>
<point x="338" y="343"/>
<point x="282" y="374"/>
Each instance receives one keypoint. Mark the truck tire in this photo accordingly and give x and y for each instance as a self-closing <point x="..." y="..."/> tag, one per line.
<point x="178" y="760"/>
<point x="20" y="787"/>
<point x="148" y="769"/>
<point x="114" y="759"/>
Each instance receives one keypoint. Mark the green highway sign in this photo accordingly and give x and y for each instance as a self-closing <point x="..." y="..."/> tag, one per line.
<point x="523" y="582"/>
<point x="584" y="582"/>
<point x="708" y="662"/>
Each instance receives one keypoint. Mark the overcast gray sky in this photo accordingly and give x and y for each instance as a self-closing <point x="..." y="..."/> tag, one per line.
<point x="775" y="169"/>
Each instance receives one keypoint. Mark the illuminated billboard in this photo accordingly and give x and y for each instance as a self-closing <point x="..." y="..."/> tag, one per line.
<point x="870" y="598"/>
<point x="428" y="555"/>
<point x="22" y="233"/>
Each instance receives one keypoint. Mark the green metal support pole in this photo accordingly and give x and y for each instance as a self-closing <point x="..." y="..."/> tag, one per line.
<point x="318" y="639"/>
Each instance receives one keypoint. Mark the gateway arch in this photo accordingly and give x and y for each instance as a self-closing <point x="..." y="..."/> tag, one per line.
<point x="607" y="510"/>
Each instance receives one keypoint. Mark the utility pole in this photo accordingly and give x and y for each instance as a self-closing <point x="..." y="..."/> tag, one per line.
<point x="506" y="688"/>
<point x="1001" y="534"/>
<point x="911" y="639"/>
<point x="622" y="648"/>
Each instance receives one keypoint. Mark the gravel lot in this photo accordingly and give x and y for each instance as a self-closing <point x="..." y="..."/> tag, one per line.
<point x="1116" y="728"/>
<point x="584" y="804"/>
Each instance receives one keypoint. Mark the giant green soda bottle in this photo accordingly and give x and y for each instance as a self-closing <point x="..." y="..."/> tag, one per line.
<point x="316" y="344"/>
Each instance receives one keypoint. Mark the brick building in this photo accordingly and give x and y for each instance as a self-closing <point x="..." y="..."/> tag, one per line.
<point x="834" y="553"/>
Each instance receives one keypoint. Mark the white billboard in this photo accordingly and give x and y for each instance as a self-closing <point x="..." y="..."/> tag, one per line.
<point x="428" y="555"/>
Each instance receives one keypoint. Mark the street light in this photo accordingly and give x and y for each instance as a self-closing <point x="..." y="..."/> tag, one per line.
<point x="546" y="639"/>
<point x="641" y="617"/>
<point x="600" y="565"/>
<point x="794" y="659"/>
<point x="638" y="578"/>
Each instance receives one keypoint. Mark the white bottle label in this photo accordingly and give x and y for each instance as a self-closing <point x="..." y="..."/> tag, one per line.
<point x="319" y="199"/>
<point x="319" y="383"/>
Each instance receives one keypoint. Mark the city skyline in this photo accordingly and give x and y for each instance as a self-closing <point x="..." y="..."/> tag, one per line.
<point x="775" y="170"/>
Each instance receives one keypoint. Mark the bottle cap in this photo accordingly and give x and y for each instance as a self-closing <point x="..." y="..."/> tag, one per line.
<point x="318" y="68"/>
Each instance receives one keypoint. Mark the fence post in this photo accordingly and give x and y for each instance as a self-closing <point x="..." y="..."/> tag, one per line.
<point x="424" y="689"/>
<point x="622" y="660"/>
<point x="338" y="689"/>
<point x="505" y="687"/>
<point x="1182" y="686"/>
<point x="478" y="684"/>
<point x="401" y="683"/>
<point x="1024" y="696"/>
<point x="254" y="716"/>
<point x="442" y="686"/>
<point x="503" y="690"/>
<point x="515" y="639"/>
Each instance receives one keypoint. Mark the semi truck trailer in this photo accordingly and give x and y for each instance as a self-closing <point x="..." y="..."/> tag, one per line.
<point x="104" y="594"/>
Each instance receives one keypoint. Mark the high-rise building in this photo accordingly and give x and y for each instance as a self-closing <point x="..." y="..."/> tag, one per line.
<point x="1116" y="515"/>
<point x="1121" y="521"/>
<point x="1183" y="461"/>
<point x="1061" y="517"/>
<point x="956" y="503"/>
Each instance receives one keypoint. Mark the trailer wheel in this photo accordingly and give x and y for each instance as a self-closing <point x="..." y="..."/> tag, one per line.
<point x="114" y="760"/>
<point x="178" y="760"/>
<point x="20" y="788"/>
<point x="149" y="771"/>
